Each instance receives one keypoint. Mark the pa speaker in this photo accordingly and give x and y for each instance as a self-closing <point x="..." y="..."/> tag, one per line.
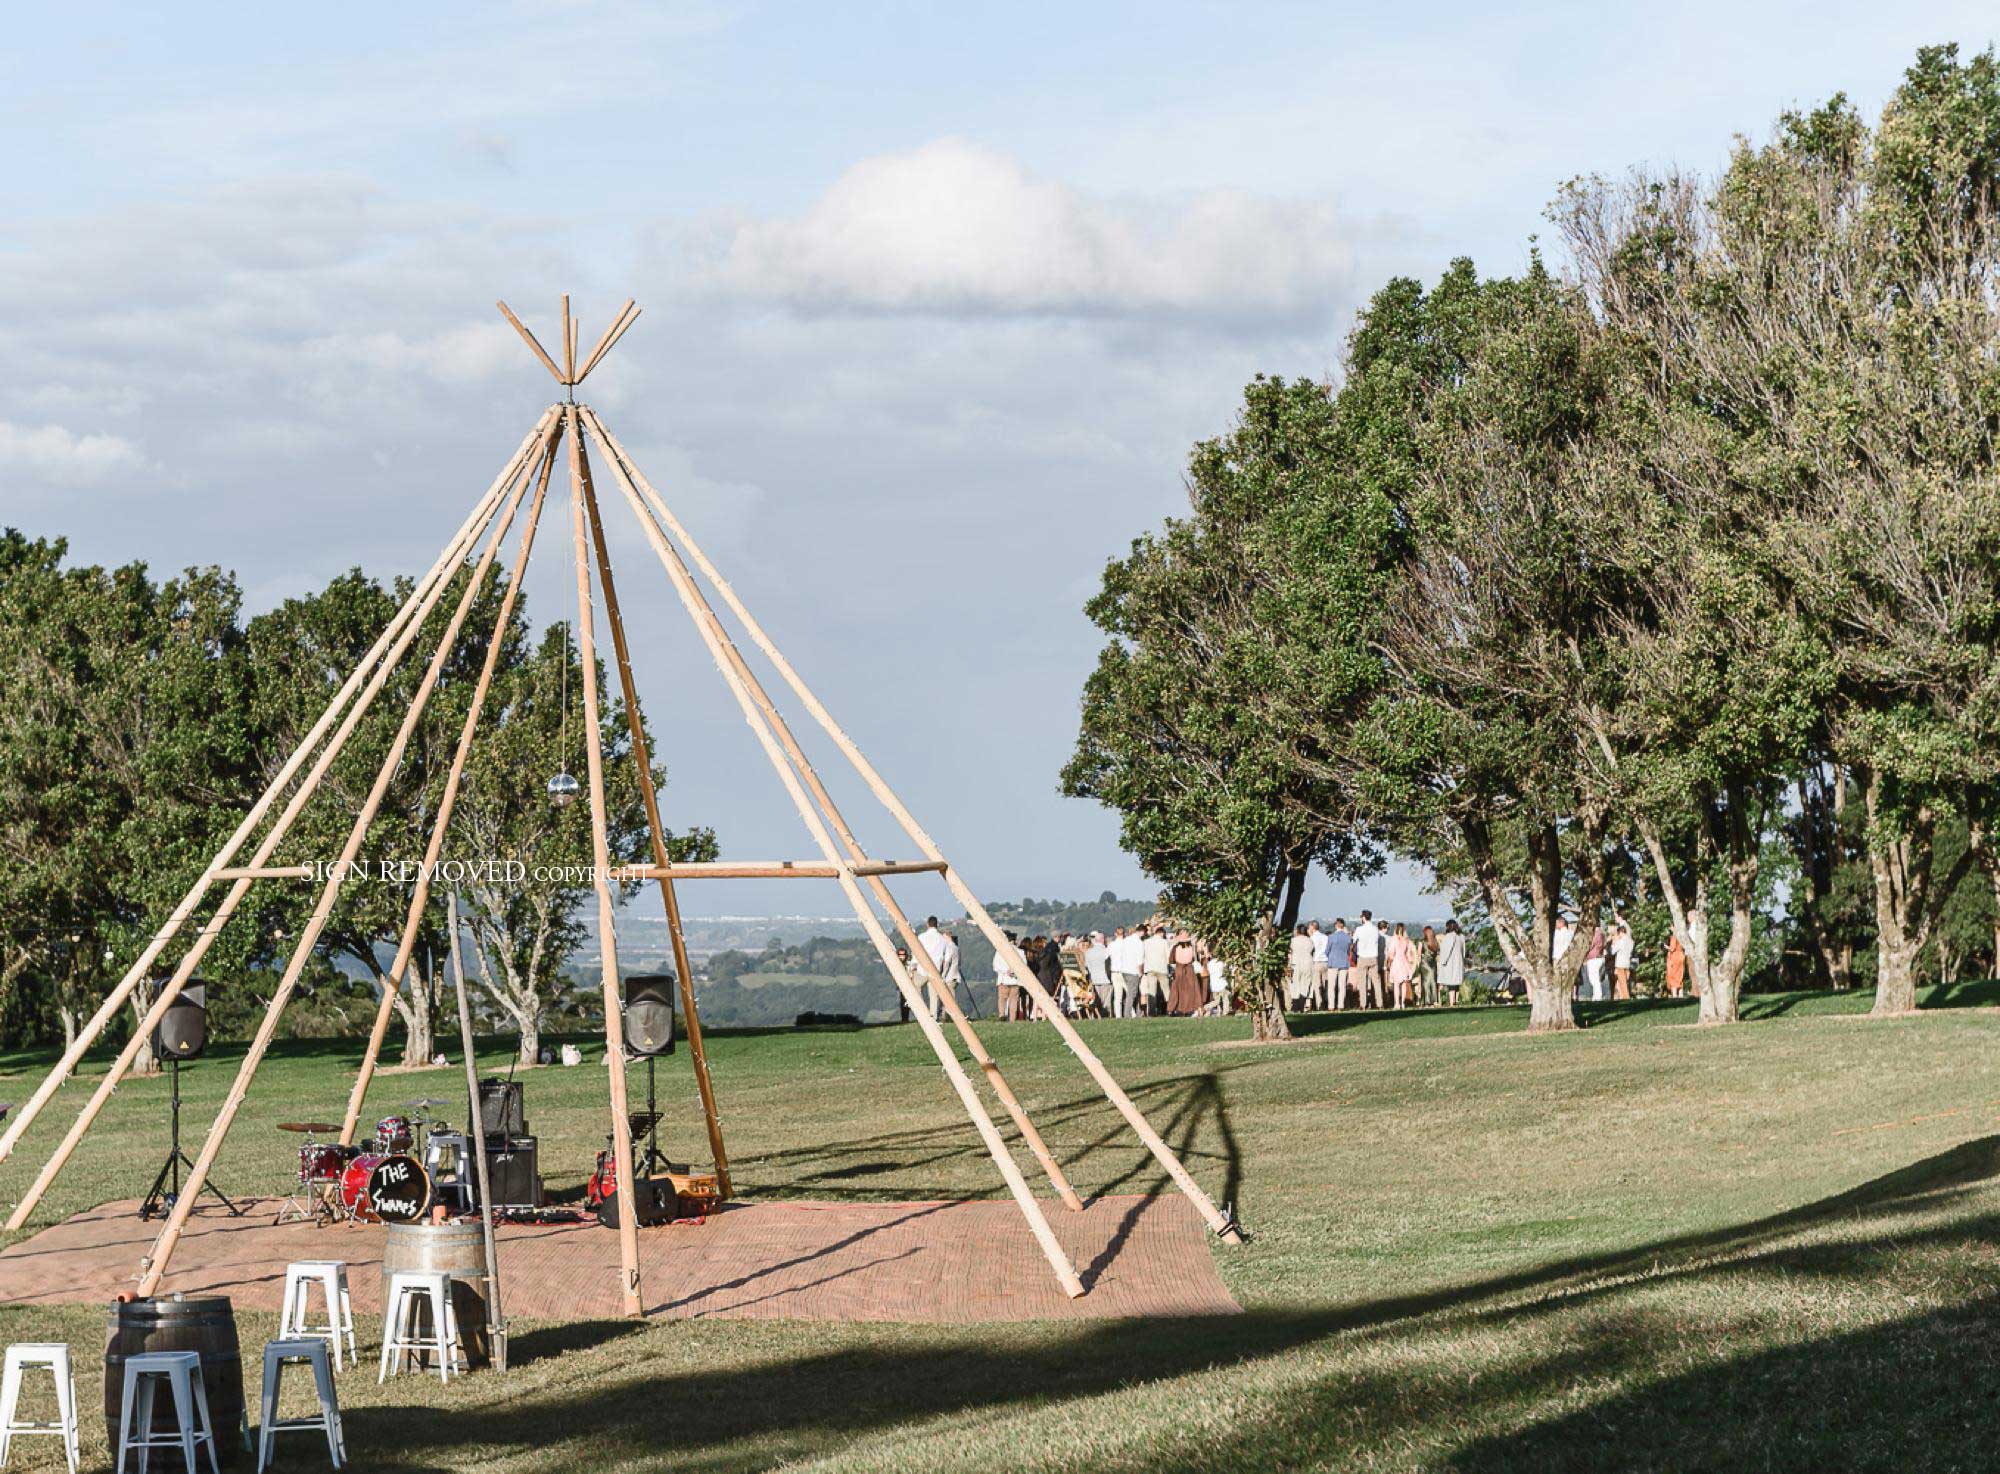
<point x="657" y="1203"/>
<point x="649" y="1014"/>
<point x="183" y="1028"/>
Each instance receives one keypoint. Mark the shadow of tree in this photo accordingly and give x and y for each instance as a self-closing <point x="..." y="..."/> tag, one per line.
<point x="1913" y="1391"/>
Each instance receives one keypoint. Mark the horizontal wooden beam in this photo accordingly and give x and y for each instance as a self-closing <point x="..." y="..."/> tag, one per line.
<point x="777" y="869"/>
<point x="265" y="872"/>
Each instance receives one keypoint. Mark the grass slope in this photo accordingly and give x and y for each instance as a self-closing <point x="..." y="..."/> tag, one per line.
<point x="1644" y="1246"/>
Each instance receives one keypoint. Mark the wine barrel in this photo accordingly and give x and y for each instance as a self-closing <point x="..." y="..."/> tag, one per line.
<point x="205" y="1325"/>
<point x="459" y="1250"/>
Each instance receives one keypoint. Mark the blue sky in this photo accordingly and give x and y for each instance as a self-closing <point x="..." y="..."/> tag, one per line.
<point x="936" y="300"/>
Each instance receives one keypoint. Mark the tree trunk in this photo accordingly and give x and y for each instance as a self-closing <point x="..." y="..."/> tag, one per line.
<point x="1907" y="896"/>
<point x="68" y="1017"/>
<point x="145" y="1062"/>
<point x="1268" y="1024"/>
<point x="413" y="1006"/>
<point x="530" y="1052"/>
<point x="1551" y="985"/>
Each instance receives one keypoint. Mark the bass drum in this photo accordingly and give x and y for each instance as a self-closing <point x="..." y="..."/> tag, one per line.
<point x="354" y="1203"/>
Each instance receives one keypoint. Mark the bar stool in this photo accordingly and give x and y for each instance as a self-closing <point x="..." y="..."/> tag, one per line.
<point x="311" y="1350"/>
<point x="330" y="1275"/>
<point x="182" y="1371"/>
<point x="55" y="1356"/>
<point x="410" y="1289"/>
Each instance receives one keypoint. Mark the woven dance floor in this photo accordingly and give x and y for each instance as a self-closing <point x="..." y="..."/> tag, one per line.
<point x="945" y="1262"/>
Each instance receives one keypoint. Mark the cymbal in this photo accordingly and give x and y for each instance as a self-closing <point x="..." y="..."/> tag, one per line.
<point x="315" y="1127"/>
<point x="425" y="1102"/>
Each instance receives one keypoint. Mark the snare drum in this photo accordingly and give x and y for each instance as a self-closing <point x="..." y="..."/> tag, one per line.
<point x="323" y="1161"/>
<point x="392" y="1135"/>
<point x="354" y="1201"/>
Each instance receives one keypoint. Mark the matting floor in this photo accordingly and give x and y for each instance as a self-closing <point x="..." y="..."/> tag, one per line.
<point x="952" y="1262"/>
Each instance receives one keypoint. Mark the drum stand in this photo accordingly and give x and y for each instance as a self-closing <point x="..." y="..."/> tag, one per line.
<point x="166" y="1189"/>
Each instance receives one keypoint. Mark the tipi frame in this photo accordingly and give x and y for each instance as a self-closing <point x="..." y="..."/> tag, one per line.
<point x="525" y="479"/>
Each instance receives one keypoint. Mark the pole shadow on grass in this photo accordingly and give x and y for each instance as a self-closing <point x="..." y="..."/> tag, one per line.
<point x="1822" y="1404"/>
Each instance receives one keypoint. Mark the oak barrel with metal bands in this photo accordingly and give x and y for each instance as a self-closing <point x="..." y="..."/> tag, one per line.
<point x="205" y="1325"/>
<point x="459" y="1250"/>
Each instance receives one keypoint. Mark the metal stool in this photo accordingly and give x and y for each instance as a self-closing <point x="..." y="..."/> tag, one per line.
<point x="312" y="1350"/>
<point x="182" y="1369"/>
<point x="55" y="1356"/>
<point x="408" y="1290"/>
<point x="296" y="1319"/>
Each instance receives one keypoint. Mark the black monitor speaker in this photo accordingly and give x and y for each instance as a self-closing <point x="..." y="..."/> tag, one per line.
<point x="649" y="1014"/>
<point x="183" y="1028"/>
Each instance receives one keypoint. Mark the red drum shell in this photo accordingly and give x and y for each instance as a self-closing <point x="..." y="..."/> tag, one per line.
<point x="393" y="1134"/>
<point x="323" y="1161"/>
<point x="354" y="1187"/>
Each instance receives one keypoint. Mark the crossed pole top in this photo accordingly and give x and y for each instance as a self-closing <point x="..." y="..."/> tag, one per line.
<point x="567" y="373"/>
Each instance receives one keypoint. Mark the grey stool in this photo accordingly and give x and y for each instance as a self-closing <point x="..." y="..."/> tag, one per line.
<point x="311" y="1350"/>
<point x="182" y="1370"/>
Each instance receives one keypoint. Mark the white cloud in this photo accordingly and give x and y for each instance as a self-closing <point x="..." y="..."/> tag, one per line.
<point x="58" y="455"/>
<point x="957" y="229"/>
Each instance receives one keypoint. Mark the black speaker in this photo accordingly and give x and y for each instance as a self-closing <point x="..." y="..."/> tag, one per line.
<point x="649" y="1014"/>
<point x="658" y="1203"/>
<point x="502" y="1109"/>
<point x="183" y="1028"/>
<point x="511" y="1172"/>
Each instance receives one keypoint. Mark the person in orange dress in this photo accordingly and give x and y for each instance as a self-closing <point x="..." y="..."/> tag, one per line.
<point x="1677" y="967"/>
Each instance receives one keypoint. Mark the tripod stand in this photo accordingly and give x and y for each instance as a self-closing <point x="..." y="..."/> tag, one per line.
<point x="654" y="1157"/>
<point x="166" y="1188"/>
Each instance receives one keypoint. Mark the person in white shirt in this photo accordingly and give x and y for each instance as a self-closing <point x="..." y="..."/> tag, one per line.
<point x="1097" y="964"/>
<point x="1622" y="947"/>
<point x="948" y="967"/>
<point x="1155" y="961"/>
<point x="1368" y="962"/>
<point x="1451" y="961"/>
<point x="936" y="945"/>
<point x="1320" y="941"/>
<point x="1559" y="943"/>
<point x="1126" y="965"/>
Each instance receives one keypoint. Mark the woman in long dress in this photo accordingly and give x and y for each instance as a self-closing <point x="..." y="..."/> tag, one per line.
<point x="1402" y="964"/>
<point x="1451" y="962"/>
<point x="1186" y="991"/>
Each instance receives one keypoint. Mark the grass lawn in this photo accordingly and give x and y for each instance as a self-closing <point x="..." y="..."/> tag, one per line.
<point x="1641" y="1246"/>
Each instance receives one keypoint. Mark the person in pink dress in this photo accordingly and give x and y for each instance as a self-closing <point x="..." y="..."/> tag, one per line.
<point x="1402" y="964"/>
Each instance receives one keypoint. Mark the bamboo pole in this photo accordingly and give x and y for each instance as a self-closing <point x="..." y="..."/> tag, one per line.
<point x="642" y="765"/>
<point x="569" y="343"/>
<point x="170" y="1235"/>
<point x="858" y="865"/>
<point x="529" y="338"/>
<point x="421" y="891"/>
<point x="376" y="666"/>
<point x="496" y="1317"/>
<point x="683" y="584"/>
<point x="265" y="872"/>
<point x="607" y="937"/>
<point x="87" y="1035"/>
<point x="1136" y="1119"/>
<point x="627" y="315"/>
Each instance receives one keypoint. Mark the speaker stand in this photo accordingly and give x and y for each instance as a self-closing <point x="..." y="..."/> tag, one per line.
<point x="166" y="1189"/>
<point x="654" y="1159"/>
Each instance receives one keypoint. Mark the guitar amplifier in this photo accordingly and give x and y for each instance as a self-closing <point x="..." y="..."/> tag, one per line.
<point x="512" y="1172"/>
<point x="658" y="1203"/>
<point x="502" y="1108"/>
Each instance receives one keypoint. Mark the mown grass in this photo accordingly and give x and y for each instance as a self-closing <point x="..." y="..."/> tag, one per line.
<point x="1642" y="1246"/>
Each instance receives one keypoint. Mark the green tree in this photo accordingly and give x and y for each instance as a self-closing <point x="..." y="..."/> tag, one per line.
<point x="1233" y="632"/>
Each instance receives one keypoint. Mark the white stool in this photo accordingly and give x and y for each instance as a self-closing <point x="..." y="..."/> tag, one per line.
<point x="182" y="1369"/>
<point x="55" y="1356"/>
<point x="312" y="1350"/>
<point x="330" y="1275"/>
<point x="409" y="1289"/>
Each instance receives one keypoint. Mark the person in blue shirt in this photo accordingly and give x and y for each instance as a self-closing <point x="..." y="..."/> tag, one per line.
<point x="1339" y="963"/>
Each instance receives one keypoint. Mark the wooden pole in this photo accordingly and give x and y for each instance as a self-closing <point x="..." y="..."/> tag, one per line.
<point x="155" y="1263"/>
<point x="858" y="865"/>
<point x="1003" y="948"/>
<point x="529" y="338"/>
<point x="569" y="343"/>
<point x="776" y="869"/>
<point x="642" y="765"/>
<point x="115" y="1000"/>
<point x="496" y="1317"/>
<point x="627" y="315"/>
<point x="205" y="938"/>
<point x="683" y="584"/>
<point x="607" y="937"/>
<point x="421" y="891"/>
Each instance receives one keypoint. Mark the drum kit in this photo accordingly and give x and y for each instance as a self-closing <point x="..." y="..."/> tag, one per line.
<point x="385" y="1179"/>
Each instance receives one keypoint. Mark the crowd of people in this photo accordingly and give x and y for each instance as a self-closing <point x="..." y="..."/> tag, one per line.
<point x="1157" y="969"/>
